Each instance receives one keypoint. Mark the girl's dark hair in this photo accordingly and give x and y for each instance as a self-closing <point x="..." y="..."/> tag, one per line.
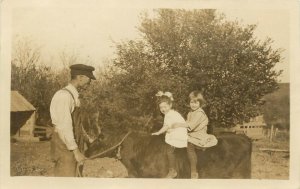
<point x="197" y="95"/>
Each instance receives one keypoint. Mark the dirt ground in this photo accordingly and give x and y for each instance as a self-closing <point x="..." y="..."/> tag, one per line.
<point x="266" y="165"/>
<point x="33" y="159"/>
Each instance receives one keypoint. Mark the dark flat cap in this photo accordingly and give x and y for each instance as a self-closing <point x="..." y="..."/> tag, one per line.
<point x="81" y="69"/>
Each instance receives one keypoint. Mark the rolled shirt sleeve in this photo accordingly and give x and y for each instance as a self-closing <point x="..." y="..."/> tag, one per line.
<point x="61" y="108"/>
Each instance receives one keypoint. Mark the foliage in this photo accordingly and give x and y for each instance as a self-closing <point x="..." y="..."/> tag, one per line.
<point x="180" y="51"/>
<point x="185" y="50"/>
<point x="35" y="81"/>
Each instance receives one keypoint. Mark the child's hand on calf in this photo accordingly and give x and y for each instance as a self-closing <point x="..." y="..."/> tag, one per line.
<point x="156" y="133"/>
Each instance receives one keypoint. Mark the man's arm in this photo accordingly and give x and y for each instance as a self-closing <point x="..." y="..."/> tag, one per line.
<point x="61" y="108"/>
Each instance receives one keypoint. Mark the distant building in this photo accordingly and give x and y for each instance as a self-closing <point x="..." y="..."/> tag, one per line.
<point x="22" y="116"/>
<point x="255" y="128"/>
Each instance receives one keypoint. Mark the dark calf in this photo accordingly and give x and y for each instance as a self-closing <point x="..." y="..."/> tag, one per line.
<point x="144" y="156"/>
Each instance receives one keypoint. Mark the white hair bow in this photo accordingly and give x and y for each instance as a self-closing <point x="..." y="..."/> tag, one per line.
<point x="168" y="94"/>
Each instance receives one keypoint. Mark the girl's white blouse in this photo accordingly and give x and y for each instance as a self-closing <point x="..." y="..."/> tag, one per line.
<point x="176" y="137"/>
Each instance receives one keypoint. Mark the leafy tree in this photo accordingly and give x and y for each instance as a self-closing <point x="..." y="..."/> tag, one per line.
<point x="31" y="78"/>
<point x="185" y="50"/>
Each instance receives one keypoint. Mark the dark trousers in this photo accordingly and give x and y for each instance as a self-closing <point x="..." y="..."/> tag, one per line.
<point x="65" y="162"/>
<point x="191" y="151"/>
<point x="171" y="157"/>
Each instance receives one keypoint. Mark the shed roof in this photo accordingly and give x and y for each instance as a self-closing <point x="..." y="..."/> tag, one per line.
<point x="18" y="103"/>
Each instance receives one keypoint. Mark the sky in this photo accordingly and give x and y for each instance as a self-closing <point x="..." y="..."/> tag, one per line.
<point x="91" y="31"/>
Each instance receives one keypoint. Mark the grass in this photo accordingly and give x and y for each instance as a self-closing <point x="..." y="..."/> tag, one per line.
<point x="31" y="159"/>
<point x="271" y="165"/>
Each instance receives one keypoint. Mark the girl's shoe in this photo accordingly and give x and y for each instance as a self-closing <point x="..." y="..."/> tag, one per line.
<point x="194" y="175"/>
<point x="172" y="173"/>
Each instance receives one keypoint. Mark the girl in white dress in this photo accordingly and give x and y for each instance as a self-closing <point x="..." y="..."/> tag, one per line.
<point x="175" y="137"/>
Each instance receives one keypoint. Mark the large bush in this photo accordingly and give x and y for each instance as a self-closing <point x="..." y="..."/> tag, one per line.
<point x="185" y="50"/>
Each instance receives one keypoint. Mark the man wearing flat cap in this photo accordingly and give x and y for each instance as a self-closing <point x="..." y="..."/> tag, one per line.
<point x="65" y="147"/>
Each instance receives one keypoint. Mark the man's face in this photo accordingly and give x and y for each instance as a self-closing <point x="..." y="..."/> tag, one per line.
<point x="83" y="81"/>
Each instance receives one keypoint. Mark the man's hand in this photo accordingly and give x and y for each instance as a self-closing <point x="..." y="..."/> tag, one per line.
<point x="79" y="156"/>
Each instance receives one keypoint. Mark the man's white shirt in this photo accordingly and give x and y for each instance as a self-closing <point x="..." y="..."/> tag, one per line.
<point x="61" y="108"/>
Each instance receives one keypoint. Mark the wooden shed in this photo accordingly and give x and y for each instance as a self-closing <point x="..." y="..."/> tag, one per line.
<point x="22" y="116"/>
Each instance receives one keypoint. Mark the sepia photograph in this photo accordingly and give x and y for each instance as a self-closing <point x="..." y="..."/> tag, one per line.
<point x="127" y="93"/>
